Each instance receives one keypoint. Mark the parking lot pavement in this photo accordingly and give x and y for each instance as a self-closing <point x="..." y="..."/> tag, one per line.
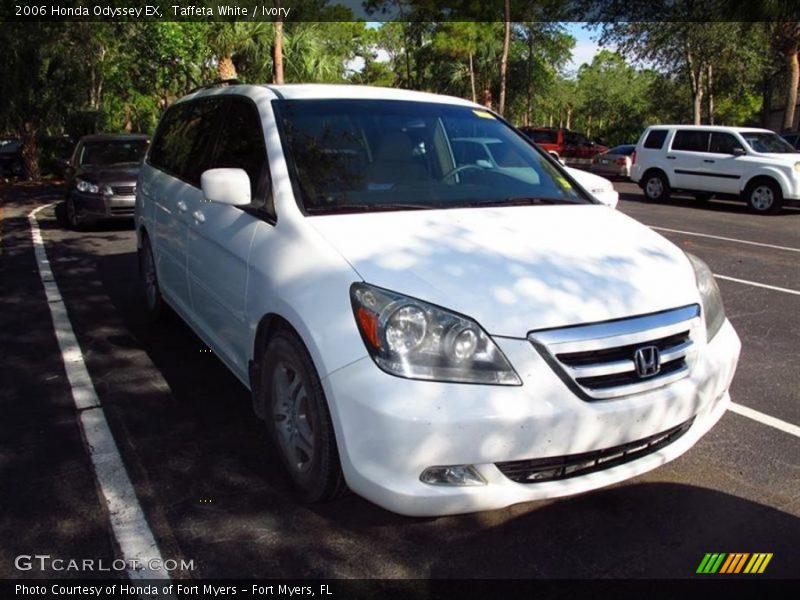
<point x="210" y="487"/>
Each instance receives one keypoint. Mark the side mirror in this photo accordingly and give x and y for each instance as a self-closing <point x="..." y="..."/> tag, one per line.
<point x="739" y="152"/>
<point x="226" y="186"/>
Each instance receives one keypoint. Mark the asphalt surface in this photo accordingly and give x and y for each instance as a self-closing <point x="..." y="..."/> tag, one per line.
<point x="209" y="483"/>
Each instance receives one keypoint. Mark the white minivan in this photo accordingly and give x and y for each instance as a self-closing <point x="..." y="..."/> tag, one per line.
<point x="437" y="332"/>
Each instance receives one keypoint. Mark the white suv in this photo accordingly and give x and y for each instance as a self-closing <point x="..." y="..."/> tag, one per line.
<point x="755" y="164"/>
<point x="437" y="333"/>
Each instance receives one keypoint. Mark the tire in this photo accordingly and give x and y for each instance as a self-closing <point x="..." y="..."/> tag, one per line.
<point x="764" y="197"/>
<point x="656" y="187"/>
<point x="703" y="196"/>
<point x="155" y="308"/>
<point x="298" y="420"/>
<point x="73" y="215"/>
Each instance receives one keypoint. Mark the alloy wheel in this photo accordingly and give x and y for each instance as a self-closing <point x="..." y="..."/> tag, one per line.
<point x="292" y="415"/>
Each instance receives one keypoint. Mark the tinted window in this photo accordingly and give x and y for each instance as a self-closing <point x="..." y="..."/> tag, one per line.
<point x="240" y="144"/>
<point x="724" y="143"/>
<point x="690" y="140"/>
<point x="183" y="139"/>
<point x="542" y="136"/>
<point x="112" y="152"/>
<point x="575" y="139"/>
<point x="622" y="150"/>
<point x="348" y="155"/>
<point x="655" y="139"/>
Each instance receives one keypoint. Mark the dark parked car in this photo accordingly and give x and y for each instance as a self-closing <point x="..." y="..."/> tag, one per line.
<point x="11" y="158"/>
<point x="101" y="177"/>
<point x="793" y="138"/>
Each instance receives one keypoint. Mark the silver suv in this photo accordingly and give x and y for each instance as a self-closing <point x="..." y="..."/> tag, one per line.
<point x="754" y="164"/>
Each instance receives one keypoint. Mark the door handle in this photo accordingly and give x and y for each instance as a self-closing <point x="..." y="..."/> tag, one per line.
<point x="708" y="160"/>
<point x="199" y="216"/>
<point x="670" y="158"/>
<point x="181" y="206"/>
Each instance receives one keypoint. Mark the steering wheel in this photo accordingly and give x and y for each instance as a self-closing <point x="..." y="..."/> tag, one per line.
<point x="457" y="170"/>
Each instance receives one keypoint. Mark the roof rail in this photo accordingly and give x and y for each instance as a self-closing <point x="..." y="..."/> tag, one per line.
<point x="217" y="83"/>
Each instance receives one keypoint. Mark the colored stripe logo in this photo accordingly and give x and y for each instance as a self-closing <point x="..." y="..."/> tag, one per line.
<point x="734" y="563"/>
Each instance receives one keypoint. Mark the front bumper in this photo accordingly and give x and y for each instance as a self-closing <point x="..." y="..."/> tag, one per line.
<point x="96" y="207"/>
<point x="389" y="429"/>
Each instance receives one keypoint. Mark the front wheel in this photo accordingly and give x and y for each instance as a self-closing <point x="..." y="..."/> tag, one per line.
<point x="73" y="216"/>
<point x="298" y="419"/>
<point x="148" y="277"/>
<point x="764" y="197"/>
<point x="656" y="187"/>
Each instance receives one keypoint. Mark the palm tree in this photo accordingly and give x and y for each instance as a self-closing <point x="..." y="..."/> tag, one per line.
<point x="228" y="40"/>
<point x="504" y="58"/>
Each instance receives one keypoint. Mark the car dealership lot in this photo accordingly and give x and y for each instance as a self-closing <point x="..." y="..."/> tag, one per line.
<point x="210" y="486"/>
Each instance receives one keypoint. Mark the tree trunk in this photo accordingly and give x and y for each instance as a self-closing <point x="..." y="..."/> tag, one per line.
<point x="696" y="75"/>
<point x="710" y="88"/>
<point x="472" y="78"/>
<point x="766" y="101"/>
<point x="528" y="77"/>
<point x="569" y="117"/>
<point x="793" y="71"/>
<point x="504" y="58"/>
<point x="226" y="69"/>
<point x="486" y="99"/>
<point x="30" y="151"/>
<point x="278" y="55"/>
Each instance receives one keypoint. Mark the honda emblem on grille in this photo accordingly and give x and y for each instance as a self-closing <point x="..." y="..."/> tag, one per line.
<point x="647" y="361"/>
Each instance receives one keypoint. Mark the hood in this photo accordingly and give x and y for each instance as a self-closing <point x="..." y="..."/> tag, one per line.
<point x="121" y="173"/>
<point x="517" y="269"/>
<point x="778" y="158"/>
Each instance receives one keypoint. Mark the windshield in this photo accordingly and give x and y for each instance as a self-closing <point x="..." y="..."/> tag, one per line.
<point x="762" y="141"/>
<point x="348" y="155"/>
<point x="112" y="152"/>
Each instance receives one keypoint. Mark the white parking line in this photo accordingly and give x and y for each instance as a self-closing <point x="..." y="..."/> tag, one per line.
<point x="726" y="239"/>
<point x="134" y="537"/>
<point x="756" y="284"/>
<point x="765" y="419"/>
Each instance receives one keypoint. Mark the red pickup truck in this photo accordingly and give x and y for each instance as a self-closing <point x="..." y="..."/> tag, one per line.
<point x="572" y="147"/>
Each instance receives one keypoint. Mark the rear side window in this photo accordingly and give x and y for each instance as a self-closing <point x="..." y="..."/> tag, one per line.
<point x="182" y="142"/>
<point x="240" y="144"/>
<point x="542" y="137"/>
<point x="655" y="139"/>
<point x="690" y="140"/>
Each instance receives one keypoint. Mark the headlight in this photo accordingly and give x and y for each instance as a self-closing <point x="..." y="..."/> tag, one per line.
<point x="797" y="166"/>
<point x="410" y="338"/>
<point x="713" y="311"/>
<point x="85" y="186"/>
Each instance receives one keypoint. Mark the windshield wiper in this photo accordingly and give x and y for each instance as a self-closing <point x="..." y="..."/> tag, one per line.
<point x="519" y="201"/>
<point x="355" y="207"/>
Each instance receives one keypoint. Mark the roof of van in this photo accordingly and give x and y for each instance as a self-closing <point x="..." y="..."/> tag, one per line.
<point x="313" y="91"/>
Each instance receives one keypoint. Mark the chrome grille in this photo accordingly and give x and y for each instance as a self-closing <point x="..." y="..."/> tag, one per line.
<point x="124" y="190"/>
<point x="598" y="360"/>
